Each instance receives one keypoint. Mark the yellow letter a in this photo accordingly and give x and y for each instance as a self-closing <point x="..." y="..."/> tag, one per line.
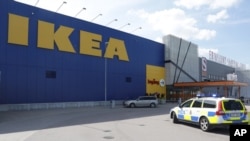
<point x="116" y="47"/>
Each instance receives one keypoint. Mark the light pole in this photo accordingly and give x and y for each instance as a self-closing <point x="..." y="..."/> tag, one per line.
<point x="105" y="76"/>
<point x="111" y="22"/>
<point x="136" y="29"/>
<point x="64" y="2"/>
<point x="36" y="2"/>
<point x="96" y="17"/>
<point x="80" y="11"/>
<point x="124" y="25"/>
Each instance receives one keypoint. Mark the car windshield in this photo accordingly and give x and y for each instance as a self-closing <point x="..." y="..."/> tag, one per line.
<point x="233" y="105"/>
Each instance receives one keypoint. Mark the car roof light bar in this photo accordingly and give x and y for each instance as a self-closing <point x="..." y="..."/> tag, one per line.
<point x="208" y="95"/>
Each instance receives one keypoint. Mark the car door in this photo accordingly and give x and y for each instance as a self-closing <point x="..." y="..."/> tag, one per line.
<point x="195" y="111"/>
<point x="184" y="111"/>
<point x="140" y="101"/>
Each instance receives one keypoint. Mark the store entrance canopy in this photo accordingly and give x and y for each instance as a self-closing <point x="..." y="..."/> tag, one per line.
<point x="224" y="84"/>
<point x="209" y="84"/>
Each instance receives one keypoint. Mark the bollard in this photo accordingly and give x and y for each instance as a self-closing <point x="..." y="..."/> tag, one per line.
<point x="112" y="104"/>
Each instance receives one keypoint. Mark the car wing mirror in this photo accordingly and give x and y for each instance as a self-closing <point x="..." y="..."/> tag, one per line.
<point x="180" y="106"/>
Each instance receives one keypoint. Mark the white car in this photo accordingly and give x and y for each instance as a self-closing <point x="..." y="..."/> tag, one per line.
<point x="209" y="112"/>
<point x="142" y="101"/>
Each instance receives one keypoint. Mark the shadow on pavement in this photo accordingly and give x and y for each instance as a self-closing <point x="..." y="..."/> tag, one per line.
<point x="19" y="121"/>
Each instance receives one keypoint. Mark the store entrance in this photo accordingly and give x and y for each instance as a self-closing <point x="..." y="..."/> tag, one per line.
<point x="175" y="94"/>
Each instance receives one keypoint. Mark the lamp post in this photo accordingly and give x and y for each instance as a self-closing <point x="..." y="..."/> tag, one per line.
<point x="80" y="11"/>
<point x="136" y="29"/>
<point x="96" y="17"/>
<point x="124" y="25"/>
<point x="105" y="76"/>
<point x="64" y="2"/>
<point x="111" y="22"/>
<point x="37" y="2"/>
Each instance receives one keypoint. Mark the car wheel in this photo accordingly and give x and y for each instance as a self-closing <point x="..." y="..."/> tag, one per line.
<point x="174" y="117"/>
<point x="204" y="124"/>
<point x="132" y="105"/>
<point x="152" y="105"/>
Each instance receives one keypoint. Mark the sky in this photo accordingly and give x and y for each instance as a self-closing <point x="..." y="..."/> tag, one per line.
<point x="220" y="26"/>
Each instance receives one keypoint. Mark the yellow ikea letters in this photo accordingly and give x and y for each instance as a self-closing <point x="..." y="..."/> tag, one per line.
<point x="90" y="43"/>
<point x="116" y="47"/>
<point x="47" y="35"/>
<point x="18" y="27"/>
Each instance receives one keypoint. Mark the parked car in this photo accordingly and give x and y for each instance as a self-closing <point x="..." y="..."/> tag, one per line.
<point x="142" y="101"/>
<point x="210" y="112"/>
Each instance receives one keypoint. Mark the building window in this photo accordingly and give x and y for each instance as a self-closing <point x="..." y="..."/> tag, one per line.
<point x="128" y="79"/>
<point x="50" y="74"/>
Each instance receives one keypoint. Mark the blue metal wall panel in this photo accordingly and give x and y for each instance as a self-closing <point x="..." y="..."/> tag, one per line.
<point x="78" y="77"/>
<point x="31" y="84"/>
<point x="10" y="91"/>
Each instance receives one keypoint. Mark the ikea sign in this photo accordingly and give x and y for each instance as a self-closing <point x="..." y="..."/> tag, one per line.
<point x="47" y="36"/>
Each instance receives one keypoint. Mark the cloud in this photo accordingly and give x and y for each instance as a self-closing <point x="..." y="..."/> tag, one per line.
<point x="216" y="4"/>
<point x="217" y="17"/>
<point x="175" y="21"/>
<point x="190" y="4"/>
<point x="212" y="4"/>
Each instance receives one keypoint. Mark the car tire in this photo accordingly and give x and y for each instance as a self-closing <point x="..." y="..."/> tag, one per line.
<point x="152" y="105"/>
<point x="174" y="117"/>
<point x="132" y="105"/>
<point x="204" y="124"/>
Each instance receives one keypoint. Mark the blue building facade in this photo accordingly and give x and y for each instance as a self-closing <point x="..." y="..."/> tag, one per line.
<point x="47" y="57"/>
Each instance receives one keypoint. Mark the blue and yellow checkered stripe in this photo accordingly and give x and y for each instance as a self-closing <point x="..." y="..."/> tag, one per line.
<point x="213" y="118"/>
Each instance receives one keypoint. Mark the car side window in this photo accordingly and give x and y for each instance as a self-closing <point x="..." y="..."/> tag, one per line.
<point x="197" y="104"/>
<point x="152" y="98"/>
<point x="209" y="104"/>
<point x="149" y="98"/>
<point x="142" y="98"/>
<point x="187" y="103"/>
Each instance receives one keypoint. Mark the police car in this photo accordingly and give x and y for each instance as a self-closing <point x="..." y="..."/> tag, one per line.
<point x="210" y="111"/>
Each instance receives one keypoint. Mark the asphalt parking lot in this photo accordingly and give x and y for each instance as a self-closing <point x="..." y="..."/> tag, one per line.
<point x="99" y="124"/>
<point x="84" y="123"/>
